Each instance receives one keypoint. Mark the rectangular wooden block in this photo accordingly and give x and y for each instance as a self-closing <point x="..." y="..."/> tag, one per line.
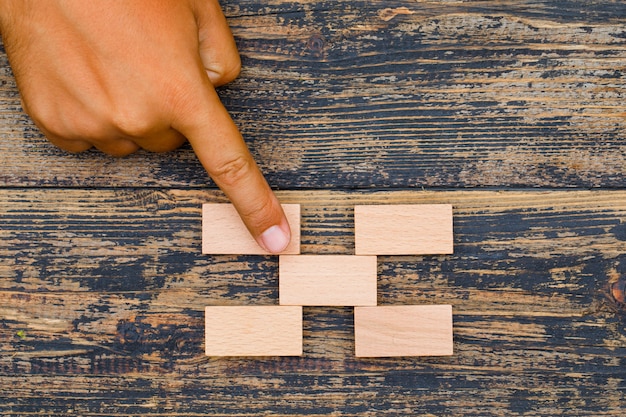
<point x="424" y="330"/>
<point x="253" y="330"/>
<point x="327" y="280"/>
<point x="403" y="229"/>
<point x="223" y="231"/>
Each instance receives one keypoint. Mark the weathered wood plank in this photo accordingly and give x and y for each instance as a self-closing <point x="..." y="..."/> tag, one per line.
<point x="102" y="290"/>
<point x="102" y="295"/>
<point x="347" y="94"/>
<point x="205" y="400"/>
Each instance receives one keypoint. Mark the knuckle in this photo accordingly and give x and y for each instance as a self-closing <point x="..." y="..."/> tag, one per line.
<point x="60" y="122"/>
<point x="120" y="151"/>
<point x="233" y="70"/>
<point x="233" y="171"/>
<point x="44" y="118"/>
<point x="117" y="148"/>
<point x="227" y="72"/>
<point x="259" y="212"/>
<point x="131" y="123"/>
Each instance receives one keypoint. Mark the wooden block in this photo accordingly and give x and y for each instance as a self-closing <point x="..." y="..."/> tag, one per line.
<point x="424" y="330"/>
<point x="253" y="330"/>
<point x="327" y="280"/>
<point x="403" y="229"/>
<point x="223" y="231"/>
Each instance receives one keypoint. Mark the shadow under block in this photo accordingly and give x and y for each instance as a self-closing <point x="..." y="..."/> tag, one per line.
<point x="327" y="280"/>
<point x="403" y="229"/>
<point x="253" y="330"/>
<point x="224" y="233"/>
<point x="413" y="330"/>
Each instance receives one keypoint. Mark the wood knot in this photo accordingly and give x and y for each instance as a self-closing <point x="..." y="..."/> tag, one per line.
<point x="616" y="288"/>
<point x="129" y="334"/>
<point x="388" y="14"/>
<point x="316" y="44"/>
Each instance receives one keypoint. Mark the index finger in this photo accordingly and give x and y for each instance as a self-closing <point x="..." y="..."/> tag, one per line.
<point x="222" y="151"/>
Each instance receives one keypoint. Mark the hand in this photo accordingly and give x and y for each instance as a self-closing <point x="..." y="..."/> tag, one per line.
<point x="121" y="75"/>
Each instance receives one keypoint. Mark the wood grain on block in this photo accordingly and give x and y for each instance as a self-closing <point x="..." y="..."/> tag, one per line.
<point x="424" y="330"/>
<point x="253" y="330"/>
<point x="404" y="229"/>
<point x="224" y="233"/>
<point x="327" y="280"/>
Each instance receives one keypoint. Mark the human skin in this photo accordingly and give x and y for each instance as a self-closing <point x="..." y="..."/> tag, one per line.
<point x="123" y="75"/>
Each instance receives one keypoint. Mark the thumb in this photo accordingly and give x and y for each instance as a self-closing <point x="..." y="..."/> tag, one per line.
<point x="224" y="154"/>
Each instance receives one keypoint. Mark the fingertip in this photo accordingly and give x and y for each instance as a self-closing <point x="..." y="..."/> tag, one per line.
<point x="276" y="238"/>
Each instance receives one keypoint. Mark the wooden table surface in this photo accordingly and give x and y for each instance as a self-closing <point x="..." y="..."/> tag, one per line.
<point x="514" y="111"/>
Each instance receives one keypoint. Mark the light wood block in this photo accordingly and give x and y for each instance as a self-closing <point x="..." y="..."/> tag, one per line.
<point x="253" y="330"/>
<point x="424" y="330"/>
<point x="404" y="229"/>
<point x="224" y="233"/>
<point x="327" y="280"/>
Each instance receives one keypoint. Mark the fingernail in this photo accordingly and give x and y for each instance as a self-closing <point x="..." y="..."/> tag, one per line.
<point x="275" y="239"/>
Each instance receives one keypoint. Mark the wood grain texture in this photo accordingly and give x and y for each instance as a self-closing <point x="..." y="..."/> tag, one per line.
<point x="224" y="233"/>
<point x="253" y="331"/>
<point x="103" y="286"/>
<point x="327" y="280"/>
<point x="348" y="94"/>
<point x="403" y="229"/>
<point x="107" y="289"/>
<point x="418" y="330"/>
